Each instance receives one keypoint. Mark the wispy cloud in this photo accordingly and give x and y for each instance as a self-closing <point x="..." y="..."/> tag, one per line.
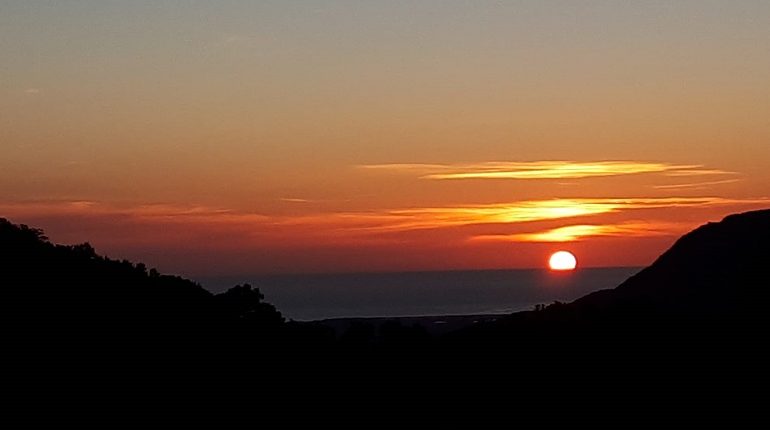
<point x="697" y="172"/>
<point x="166" y="212"/>
<point x="503" y="213"/>
<point x="340" y="226"/>
<point x="695" y="185"/>
<point x="542" y="169"/>
<point x="572" y="233"/>
<point x="33" y="91"/>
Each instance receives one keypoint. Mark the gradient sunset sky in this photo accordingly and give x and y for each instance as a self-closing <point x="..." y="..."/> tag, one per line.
<point x="241" y="137"/>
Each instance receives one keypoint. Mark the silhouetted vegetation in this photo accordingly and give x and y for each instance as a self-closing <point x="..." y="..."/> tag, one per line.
<point x="700" y="305"/>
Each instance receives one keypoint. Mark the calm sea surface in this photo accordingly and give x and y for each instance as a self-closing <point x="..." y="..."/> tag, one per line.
<point x="312" y="297"/>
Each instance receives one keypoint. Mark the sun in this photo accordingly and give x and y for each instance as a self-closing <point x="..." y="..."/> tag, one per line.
<point x="562" y="260"/>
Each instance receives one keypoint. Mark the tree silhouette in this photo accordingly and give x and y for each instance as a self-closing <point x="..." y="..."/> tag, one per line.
<point x="701" y="303"/>
<point x="244" y="302"/>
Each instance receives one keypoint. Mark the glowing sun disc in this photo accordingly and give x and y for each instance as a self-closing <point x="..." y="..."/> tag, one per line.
<point x="562" y="260"/>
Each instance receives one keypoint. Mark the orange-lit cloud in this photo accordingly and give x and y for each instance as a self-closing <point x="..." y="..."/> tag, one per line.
<point x="143" y="212"/>
<point x="523" y="211"/>
<point x="543" y="169"/>
<point x="340" y="224"/>
<point x="697" y="172"/>
<point x="199" y="239"/>
<point x="695" y="185"/>
<point x="572" y="233"/>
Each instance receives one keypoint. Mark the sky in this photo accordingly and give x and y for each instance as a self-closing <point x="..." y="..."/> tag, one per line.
<point x="209" y="138"/>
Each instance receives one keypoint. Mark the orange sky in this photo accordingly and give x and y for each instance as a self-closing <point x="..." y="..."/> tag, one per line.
<point x="281" y="137"/>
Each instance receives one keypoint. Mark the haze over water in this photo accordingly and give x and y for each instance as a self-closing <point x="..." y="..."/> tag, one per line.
<point x="313" y="297"/>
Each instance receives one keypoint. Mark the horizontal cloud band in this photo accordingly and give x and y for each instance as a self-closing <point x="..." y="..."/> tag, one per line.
<point x="375" y="222"/>
<point x="542" y="169"/>
<point x="572" y="233"/>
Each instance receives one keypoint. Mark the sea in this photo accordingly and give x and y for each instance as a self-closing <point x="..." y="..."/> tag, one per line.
<point x="434" y="293"/>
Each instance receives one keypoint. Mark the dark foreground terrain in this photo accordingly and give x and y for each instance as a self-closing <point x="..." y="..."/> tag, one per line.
<point x="690" y="326"/>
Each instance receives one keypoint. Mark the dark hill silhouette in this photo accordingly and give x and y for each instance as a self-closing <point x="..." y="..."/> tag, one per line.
<point x="68" y="303"/>
<point x="718" y="272"/>
<point x="72" y="284"/>
<point x="692" y="321"/>
<point x="696" y="316"/>
<point x="718" y="268"/>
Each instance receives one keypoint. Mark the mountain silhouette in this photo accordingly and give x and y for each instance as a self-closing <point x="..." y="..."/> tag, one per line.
<point x="693" y="319"/>
<point x="719" y="268"/>
<point x="69" y="306"/>
<point x="689" y="326"/>
<point x="709" y="286"/>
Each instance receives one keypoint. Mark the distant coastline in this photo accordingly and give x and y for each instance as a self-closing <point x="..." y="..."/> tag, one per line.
<point x="311" y="297"/>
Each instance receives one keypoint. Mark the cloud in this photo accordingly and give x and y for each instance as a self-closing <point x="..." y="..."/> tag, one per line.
<point x="572" y="233"/>
<point x="85" y="208"/>
<point x="33" y="91"/>
<point x="165" y="221"/>
<point x="542" y="169"/>
<point x="396" y="220"/>
<point x="698" y="172"/>
<point x="695" y="185"/>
